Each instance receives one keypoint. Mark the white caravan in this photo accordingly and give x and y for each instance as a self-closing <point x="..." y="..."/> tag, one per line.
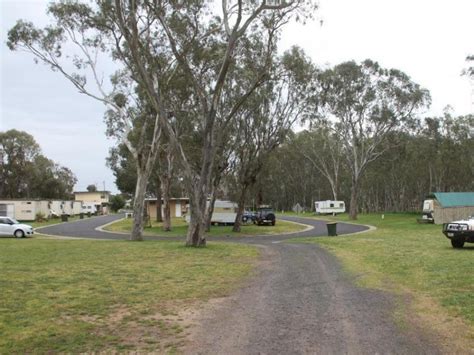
<point x="89" y="207"/>
<point x="329" y="207"/>
<point x="224" y="212"/>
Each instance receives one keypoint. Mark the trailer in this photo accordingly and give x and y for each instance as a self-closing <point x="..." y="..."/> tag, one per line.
<point x="7" y="210"/>
<point x="89" y="208"/>
<point x="224" y="212"/>
<point x="329" y="207"/>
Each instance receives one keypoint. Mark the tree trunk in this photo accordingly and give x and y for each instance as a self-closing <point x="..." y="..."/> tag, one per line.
<point x="334" y="191"/>
<point x="240" y="210"/>
<point x="139" y="206"/>
<point x="159" y="215"/>
<point x="354" y="198"/>
<point x="165" y="187"/>
<point x="210" y="209"/>
<point x="195" y="235"/>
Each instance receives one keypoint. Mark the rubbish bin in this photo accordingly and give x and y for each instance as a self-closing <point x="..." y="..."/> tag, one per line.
<point x="64" y="217"/>
<point x="332" y="229"/>
<point x="81" y="215"/>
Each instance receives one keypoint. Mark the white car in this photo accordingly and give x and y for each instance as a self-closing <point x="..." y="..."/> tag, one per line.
<point x="11" y="227"/>
<point x="460" y="232"/>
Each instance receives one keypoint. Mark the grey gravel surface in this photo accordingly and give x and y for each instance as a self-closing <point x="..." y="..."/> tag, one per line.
<point x="299" y="302"/>
<point x="302" y="303"/>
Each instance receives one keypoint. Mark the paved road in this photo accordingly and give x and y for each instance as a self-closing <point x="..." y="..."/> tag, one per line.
<point x="84" y="228"/>
<point x="301" y="302"/>
<point x="87" y="228"/>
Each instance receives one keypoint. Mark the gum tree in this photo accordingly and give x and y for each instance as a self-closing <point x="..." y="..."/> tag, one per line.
<point x="267" y="118"/>
<point x="207" y="50"/>
<point x="73" y="46"/>
<point x="366" y="104"/>
<point x="154" y="44"/>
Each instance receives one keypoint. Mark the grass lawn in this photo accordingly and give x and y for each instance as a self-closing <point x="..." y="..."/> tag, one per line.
<point x="179" y="228"/>
<point x="73" y="296"/>
<point x="406" y="257"/>
<point x="49" y="222"/>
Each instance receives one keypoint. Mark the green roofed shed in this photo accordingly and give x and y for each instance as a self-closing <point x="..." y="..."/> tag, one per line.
<point x="451" y="206"/>
<point x="455" y="199"/>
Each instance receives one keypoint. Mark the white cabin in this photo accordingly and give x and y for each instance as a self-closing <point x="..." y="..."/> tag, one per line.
<point x="329" y="207"/>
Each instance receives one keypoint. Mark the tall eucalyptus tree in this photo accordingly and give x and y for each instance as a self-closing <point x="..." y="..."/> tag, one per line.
<point x="366" y="103"/>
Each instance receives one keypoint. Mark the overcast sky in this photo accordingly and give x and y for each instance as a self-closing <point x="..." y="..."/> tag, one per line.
<point x="429" y="40"/>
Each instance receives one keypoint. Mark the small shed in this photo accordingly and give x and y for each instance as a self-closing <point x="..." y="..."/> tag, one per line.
<point x="451" y="206"/>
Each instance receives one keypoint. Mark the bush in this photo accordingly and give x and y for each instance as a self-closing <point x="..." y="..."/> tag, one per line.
<point x="117" y="202"/>
<point x="40" y="217"/>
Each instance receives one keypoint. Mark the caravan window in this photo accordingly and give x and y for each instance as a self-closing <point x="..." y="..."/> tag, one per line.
<point x="331" y="205"/>
<point x="341" y="205"/>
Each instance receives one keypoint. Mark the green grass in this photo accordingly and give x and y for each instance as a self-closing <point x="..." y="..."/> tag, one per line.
<point x="82" y="296"/>
<point x="179" y="228"/>
<point x="406" y="256"/>
<point x="50" y="222"/>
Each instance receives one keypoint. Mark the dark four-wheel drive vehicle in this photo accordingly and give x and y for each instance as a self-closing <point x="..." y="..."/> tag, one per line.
<point x="265" y="215"/>
<point x="460" y="232"/>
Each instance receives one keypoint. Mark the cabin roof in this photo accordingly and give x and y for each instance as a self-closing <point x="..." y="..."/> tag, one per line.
<point x="454" y="199"/>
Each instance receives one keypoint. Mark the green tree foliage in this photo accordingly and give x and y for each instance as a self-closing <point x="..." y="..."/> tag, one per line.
<point x="437" y="156"/>
<point x="91" y="188"/>
<point x="117" y="202"/>
<point x="367" y="104"/>
<point x="26" y="173"/>
<point x="267" y="117"/>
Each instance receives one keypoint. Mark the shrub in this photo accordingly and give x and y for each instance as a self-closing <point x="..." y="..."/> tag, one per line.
<point x="117" y="202"/>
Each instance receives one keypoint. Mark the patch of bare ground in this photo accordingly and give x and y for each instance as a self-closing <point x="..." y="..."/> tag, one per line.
<point x="160" y="330"/>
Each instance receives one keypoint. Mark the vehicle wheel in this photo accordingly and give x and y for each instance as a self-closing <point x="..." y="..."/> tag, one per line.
<point x="19" y="233"/>
<point x="457" y="243"/>
<point x="244" y="219"/>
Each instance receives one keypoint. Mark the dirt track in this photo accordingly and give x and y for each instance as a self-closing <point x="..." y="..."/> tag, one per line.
<point x="301" y="303"/>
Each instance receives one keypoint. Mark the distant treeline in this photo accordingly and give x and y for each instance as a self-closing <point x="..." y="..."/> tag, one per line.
<point x="436" y="155"/>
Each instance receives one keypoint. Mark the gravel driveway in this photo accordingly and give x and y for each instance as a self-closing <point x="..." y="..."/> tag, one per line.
<point x="300" y="302"/>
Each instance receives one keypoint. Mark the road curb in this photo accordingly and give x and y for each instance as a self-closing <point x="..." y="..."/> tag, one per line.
<point x="308" y="228"/>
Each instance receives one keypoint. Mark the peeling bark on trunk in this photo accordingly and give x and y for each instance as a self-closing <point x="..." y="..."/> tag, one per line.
<point x="139" y="207"/>
<point x="195" y="235"/>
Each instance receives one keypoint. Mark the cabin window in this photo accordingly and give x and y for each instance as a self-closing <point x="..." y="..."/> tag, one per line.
<point x="331" y="205"/>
